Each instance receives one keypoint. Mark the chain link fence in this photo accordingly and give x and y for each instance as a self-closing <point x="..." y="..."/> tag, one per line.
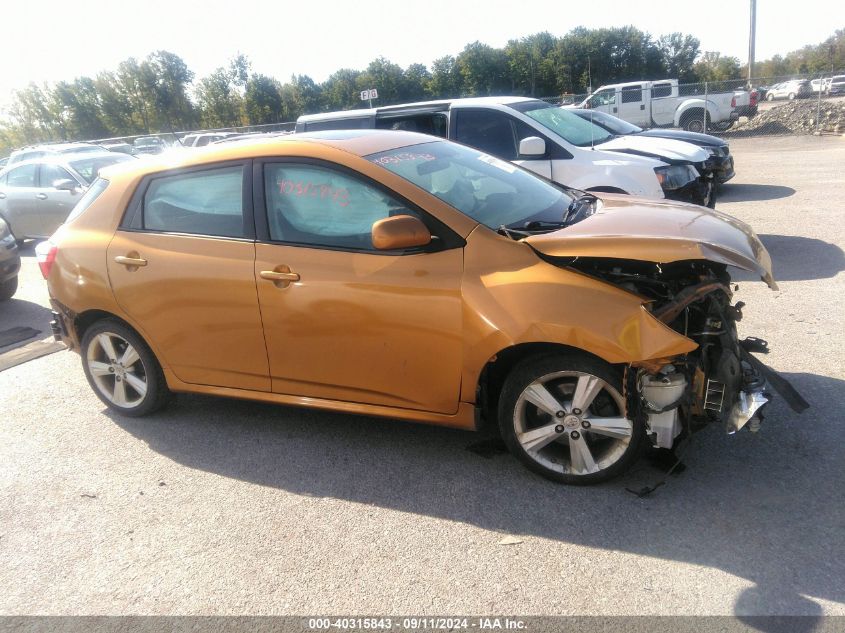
<point x="785" y="105"/>
<point x="782" y="105"/>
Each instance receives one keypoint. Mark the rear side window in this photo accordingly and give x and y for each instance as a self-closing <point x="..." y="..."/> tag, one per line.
<point x="661" y="90"/>
<point x="94" y="191"/>
<point x="632" y="94"/>
<point x="23" y="176"/>
<point x="208" y="202"/>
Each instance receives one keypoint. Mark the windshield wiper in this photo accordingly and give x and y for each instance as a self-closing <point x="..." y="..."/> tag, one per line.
<point x="514" y="234"/>
<point x="575" y="205"/>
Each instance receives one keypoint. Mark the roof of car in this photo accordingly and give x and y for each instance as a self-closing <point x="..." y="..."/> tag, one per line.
<point x="357" y="142"/>
<point x="437" y="104"/>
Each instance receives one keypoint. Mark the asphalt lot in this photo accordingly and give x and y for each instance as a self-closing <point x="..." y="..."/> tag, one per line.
<point x="225" y="507"/>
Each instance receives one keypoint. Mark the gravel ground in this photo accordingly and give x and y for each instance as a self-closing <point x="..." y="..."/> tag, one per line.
<point x="225" y="507"/>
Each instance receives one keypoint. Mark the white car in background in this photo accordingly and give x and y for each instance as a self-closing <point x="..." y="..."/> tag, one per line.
<point x="537" y="135"/>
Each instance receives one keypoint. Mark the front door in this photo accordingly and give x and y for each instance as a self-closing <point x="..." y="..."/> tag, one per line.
<point x="54" y="205"/>
<point x="181" y="266"/>
<point x="499" y="135"/>
<point x="342" y="320"/>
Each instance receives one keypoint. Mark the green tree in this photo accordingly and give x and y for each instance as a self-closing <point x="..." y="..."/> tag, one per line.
<point x="415" y="81"/>
<point x="446" y="79"/>
<point x="679" y="53"/>
<point x="340" y="91"/>
<point x="263" y="100"/>
<point x="531" y="65"/>
<point x="712" y="67"/>
<point x="484" y="69"/>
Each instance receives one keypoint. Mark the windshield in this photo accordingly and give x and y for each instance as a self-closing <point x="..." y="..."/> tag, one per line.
<point x="89" y="167"/>
<point x="608" y="122"/>
<point x="491" y="191"/>
<point x="568" y="126"/>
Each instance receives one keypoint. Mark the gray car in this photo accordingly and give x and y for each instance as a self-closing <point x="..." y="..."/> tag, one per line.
<point x="10" y="262"/>
<point x="37" y="195"/>
<point x="55" y="149"/>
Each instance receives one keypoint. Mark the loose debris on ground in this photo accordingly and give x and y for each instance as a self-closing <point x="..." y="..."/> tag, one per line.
<point x="806" y="116"/>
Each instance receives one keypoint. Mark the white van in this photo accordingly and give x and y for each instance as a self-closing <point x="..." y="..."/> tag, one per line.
<point x="542" y="137"/>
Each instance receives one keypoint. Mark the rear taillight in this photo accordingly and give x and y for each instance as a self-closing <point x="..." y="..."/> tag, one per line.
<point x="45" y="253"/>
<point x="733" y="102"/>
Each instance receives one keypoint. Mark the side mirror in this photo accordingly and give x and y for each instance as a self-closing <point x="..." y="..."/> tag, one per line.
<point x="399" y="231"/>
<point x="66" y="184"/>
<point x="532" y="146"/>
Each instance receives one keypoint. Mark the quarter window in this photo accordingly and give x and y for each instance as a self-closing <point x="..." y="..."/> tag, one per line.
<point x="203" y="202"/>
<point x="314" y="205"/>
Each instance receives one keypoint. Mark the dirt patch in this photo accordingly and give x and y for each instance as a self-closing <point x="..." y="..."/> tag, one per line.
<point x="795" y="117"/>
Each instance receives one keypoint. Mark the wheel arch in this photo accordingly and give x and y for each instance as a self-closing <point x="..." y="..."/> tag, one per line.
<point x="492" y="376"/>
<point x="84" y="320"/>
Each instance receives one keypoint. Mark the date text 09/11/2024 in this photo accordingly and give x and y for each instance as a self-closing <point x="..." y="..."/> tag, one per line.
<point x="417" y="624"/>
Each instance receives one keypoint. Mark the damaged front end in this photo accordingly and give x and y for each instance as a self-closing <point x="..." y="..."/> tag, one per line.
<point x="720" y="381"/>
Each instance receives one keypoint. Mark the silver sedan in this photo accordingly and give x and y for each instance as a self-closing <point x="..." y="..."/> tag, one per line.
<point x="37" y="195"/>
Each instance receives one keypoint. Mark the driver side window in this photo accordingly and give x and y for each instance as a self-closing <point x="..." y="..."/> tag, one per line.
<point x="315" y="205"/>
<point x="603" y="98"/>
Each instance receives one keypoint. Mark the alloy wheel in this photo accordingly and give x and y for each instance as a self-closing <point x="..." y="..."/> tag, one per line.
<point x="117" y="370"/>
<point x="572" y="423"/>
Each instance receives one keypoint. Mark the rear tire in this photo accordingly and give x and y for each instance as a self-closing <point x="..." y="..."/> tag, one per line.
<point x="122" y="370"/>
<point x="8" y="288"/>
<point x="696" y="121"/>
<point x="543" y="426"/>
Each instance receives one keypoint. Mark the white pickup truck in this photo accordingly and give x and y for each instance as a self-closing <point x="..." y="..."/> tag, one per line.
<point x="660" y="104"/>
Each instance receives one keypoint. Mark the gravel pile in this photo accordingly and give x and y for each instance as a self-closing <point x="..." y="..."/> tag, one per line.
<point x="795" y="117"/>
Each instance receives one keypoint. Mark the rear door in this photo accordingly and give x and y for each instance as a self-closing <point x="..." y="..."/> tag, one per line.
<point x="633" y="101"/>
<point x="18" y="200"/>
<point x="181" y="266"/>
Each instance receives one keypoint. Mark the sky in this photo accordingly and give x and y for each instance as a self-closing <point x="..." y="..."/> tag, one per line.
<point x="318" y="37"/>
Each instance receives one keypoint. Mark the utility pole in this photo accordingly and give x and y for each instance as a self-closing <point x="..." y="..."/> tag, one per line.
<point x="751" y="34"/>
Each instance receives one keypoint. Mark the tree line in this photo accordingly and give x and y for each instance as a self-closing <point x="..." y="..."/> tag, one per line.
<point x="159" y="94"/>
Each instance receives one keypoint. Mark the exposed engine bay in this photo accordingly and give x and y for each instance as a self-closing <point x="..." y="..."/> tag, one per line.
<point x="720" y="381"/>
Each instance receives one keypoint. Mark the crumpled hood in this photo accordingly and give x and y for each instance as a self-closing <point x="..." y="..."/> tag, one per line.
<point x="656" y="147"/>
<point x="659" y="231"/>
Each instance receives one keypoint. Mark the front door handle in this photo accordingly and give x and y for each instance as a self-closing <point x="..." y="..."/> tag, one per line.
<point x="41" y="196"/>
<point x="642" y="107"/>
<point x="281" y="276"/>
<point x="132" y="262"/>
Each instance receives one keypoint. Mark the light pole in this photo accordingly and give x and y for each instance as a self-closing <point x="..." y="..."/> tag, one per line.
<point x="751" y="33"/>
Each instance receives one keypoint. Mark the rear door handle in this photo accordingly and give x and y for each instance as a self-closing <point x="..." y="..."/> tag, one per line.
<point x="41" y="196"/>
<point x="130" y="262"/>
<point x="642" y="107"/>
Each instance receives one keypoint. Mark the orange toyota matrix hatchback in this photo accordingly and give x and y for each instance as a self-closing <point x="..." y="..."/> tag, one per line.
<point x="392" y="274"/>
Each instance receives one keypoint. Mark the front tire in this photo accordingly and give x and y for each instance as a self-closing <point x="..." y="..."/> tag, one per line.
<point x="122" y="370"/>
<point x="563" y="416"/>
<point x="770" y="97"/>
<point x="8" y="288"/>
